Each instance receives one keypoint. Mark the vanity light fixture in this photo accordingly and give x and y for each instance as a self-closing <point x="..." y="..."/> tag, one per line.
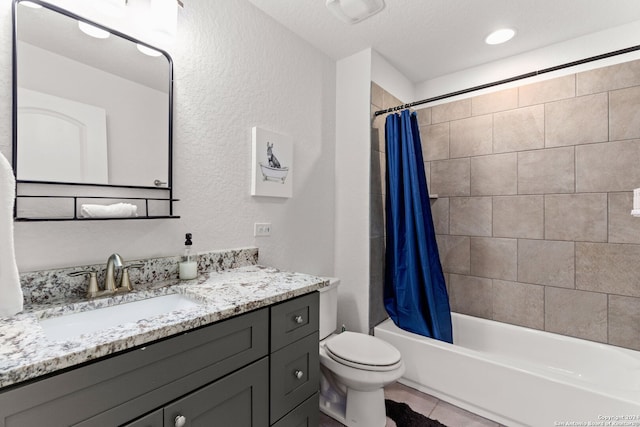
<point x="500" y="36"/>
<point x="147" y="50"/>
<point x="31" y="4"/>
<point x="93" y="31"/>
<point x="354" y="11"/>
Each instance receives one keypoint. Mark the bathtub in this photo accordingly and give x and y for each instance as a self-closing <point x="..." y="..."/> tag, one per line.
<point x="273" y="174"/>
<point x="522" y="377"/>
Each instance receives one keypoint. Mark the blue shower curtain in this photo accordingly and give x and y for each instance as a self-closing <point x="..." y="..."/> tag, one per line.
<point x="415" y="294"/>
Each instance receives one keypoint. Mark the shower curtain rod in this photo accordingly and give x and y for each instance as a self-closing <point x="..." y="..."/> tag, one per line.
<point x="510" y="79"/>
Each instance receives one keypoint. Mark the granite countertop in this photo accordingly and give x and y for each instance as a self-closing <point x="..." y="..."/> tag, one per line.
<point x="26" y="353"/>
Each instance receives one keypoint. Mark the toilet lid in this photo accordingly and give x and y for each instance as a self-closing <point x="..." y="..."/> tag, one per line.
<point x="361" y="350"/>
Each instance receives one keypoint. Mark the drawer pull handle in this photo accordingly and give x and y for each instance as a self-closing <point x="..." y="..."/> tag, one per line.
<point x="298" y="374"/>
<point x="298" y="319"/>
<point x="181" y="421"/>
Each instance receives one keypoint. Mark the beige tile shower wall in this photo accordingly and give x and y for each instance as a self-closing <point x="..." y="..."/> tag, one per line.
<point x="380" y="100"/>
<point x="533" y="220"/>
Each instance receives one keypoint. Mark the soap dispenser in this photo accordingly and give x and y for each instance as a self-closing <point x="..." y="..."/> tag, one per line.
<point x="188" y="266"/>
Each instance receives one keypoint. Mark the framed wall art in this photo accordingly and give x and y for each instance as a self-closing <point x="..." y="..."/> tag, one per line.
<point x="271" y="164"/>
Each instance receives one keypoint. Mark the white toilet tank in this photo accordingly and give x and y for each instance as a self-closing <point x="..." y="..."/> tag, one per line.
<point x="329" y="308"/>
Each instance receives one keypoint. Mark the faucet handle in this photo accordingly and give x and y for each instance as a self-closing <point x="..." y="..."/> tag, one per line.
<point x="92" y="290"/>
<point x="125" y="282"/>
<point x="80" y="273"/>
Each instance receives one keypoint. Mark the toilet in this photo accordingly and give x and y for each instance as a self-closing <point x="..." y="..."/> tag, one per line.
<point x="354" y="368"/>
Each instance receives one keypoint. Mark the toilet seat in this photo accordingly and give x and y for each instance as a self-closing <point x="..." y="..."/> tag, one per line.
<point x="363" y="351"/>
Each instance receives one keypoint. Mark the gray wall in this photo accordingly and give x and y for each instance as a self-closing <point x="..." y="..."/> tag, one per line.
<point x="535" y="190"/>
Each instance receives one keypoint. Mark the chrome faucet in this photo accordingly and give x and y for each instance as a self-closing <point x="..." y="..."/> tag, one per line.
<point x="114" y="261"/>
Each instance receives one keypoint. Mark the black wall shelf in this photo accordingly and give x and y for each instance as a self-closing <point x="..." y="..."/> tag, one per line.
<point x="76" y="206"/>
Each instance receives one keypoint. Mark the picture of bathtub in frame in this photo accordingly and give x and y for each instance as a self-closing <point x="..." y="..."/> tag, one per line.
<point x="271" y="164"/>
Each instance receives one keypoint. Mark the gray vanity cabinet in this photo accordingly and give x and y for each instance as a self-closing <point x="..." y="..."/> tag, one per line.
<point x="239" y="400"/>
<point x="154" y="419"/>
<point x="294" y="362"/>
<point x="253" y="370"/>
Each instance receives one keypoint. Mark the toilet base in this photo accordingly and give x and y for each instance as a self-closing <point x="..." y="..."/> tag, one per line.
<point x="363" y="409"/>
<point x="366" y="408"/>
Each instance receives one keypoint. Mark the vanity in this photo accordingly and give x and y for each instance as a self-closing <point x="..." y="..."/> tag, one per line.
<point x="246" y="355"/>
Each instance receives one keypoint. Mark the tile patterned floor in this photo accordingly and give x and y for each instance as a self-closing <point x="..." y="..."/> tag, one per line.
<point x="436" y="409"/>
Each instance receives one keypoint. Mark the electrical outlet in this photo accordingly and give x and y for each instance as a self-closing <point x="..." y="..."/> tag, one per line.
<point x="262" y="229"/>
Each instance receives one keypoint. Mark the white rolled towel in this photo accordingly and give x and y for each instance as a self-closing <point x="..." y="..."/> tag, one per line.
<point x="11" y="299"/>
<point x="118" y="210"/>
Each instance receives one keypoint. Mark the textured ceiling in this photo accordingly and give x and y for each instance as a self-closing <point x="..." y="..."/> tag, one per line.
<point x="429" y="38"/>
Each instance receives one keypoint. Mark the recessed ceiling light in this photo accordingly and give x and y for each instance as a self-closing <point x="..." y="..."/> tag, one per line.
<point x="500" y="36"/>
<point x="93" y="31"/>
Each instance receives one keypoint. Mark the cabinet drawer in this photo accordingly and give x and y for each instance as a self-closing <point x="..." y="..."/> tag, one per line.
<point x="305" y="415"/>
<point x="117" y="389"/>
<point x="295" y="375"/>
<point x="153" y="419"/>
<point x="238" y="400"/>
<point x="293" y="319"/>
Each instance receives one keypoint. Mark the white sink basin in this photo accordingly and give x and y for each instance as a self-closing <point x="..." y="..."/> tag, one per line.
<point x="75" y="324"/>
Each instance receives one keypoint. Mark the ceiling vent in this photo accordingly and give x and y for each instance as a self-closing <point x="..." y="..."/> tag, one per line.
<point x="354" y="11"/>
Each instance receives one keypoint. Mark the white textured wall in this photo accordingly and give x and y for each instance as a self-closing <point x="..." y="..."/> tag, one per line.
<point x="234" y="68"/>
<point x="353" y="153"/>
<point x="385" y="75"/>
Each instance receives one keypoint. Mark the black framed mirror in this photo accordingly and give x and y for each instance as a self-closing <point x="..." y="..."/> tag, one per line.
<point x="92" y="110"/>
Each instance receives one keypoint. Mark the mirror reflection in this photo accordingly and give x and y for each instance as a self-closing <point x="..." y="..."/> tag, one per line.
<point x="91" y="109"/>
